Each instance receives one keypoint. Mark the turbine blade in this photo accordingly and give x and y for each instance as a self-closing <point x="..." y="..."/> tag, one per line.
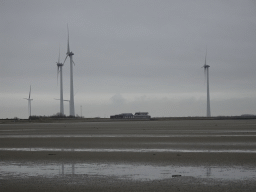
<point x="29" y="92"/>
<point x="205" y="72"/>
<point x="58" y="73"/>
<point x="205" y="75"/>
<point x="205" y="56"/>
<point x="68" y="50"/>
<point x="65" y="59"/>
<point x="28" y="108"/>
<point x="73" y="62"/>
<point x="59" y="56"/>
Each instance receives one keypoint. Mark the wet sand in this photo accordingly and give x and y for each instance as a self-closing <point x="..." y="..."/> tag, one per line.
<point x="205" y="155"/>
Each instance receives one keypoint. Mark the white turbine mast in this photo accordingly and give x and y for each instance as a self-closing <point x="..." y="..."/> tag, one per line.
<point x="29" y="102"/>
<point x="206" y="73"/>
<point x="71" y="102"/>
<point x="59" y="70"/>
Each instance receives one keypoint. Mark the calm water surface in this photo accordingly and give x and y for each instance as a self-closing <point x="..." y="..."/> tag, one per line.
<point x="125" y="171"/>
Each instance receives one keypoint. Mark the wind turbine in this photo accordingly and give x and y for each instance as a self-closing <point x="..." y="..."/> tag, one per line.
<point x="206" y="72"/>
<point x="59" y="70"/>
<point x="29" y="102"/>
<point x="72" y="104"/>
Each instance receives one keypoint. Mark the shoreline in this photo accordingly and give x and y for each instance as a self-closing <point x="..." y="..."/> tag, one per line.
<point x="73" y="120"/>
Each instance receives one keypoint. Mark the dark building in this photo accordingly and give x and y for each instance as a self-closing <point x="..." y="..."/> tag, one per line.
<point x="141" y="115"/>
<point x="138" y="115"/>
<point x="122" y="116"/>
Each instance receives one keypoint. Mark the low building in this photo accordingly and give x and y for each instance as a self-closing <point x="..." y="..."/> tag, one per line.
<point x="138" y="115"/>
<point x="141" y="115"/>
<point x="122" y="116"/>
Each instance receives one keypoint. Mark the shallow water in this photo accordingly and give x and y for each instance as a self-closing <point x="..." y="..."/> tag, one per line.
<point x="233" y="139"/>
<point x="125" y="171"/>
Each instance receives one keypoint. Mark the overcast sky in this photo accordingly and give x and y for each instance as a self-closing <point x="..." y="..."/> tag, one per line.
<point x="130" y="56"/>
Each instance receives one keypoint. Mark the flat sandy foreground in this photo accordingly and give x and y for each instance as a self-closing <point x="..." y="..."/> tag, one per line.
<point x="188" y="155"/>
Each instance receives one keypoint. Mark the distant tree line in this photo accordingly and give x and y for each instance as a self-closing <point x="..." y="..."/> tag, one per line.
<point x="55" y="116"/>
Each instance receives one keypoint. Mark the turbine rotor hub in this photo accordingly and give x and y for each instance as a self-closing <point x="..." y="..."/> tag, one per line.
<point x="70" y="54"/>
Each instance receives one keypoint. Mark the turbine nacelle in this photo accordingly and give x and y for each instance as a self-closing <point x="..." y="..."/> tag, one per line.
<point x="59" y="65"/>
<point x="205" y="66"/>
<point x="70" y="53"/>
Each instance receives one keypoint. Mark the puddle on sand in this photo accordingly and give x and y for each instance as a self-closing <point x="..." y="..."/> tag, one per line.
<point x="138" y="150"/>
<point x="125" y="171"/>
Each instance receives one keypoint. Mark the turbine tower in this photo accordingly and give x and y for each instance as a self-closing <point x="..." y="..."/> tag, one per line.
<point x="59" y="70"/>
<point x="29" y="102"/>
<point x="206" y="72"/>
<point x="71" y="103"/>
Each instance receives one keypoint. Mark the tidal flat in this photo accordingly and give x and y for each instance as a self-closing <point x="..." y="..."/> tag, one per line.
<point x="175" y="155"/>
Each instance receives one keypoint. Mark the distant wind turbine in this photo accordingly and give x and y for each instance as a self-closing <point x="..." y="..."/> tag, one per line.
<point x="29" y="102"/>
<point x="59" y="70"/>
<point x="72" y="103"/>
<point x="206" y="72"/>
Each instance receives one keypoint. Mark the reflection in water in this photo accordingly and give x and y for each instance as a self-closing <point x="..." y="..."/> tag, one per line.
<point x="208" y="171"/>
<point x="62" y="166"/>
<point x="127" y="171"/>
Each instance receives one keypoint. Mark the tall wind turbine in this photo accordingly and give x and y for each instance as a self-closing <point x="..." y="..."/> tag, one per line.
<point x="59" y="70"/>
<point x="29" y="102"/>
<point x="206" y="72"/>
<point x="72" y="104"/>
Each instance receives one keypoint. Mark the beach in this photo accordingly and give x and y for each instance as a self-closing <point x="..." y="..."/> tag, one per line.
<point x="173" y="155"/>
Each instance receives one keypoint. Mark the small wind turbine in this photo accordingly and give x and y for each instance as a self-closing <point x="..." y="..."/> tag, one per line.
<point x="72" y="103"/>
<point x="29" y="102"/>
<point x="206" y="72"/>
<point x="59" y="70"/>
